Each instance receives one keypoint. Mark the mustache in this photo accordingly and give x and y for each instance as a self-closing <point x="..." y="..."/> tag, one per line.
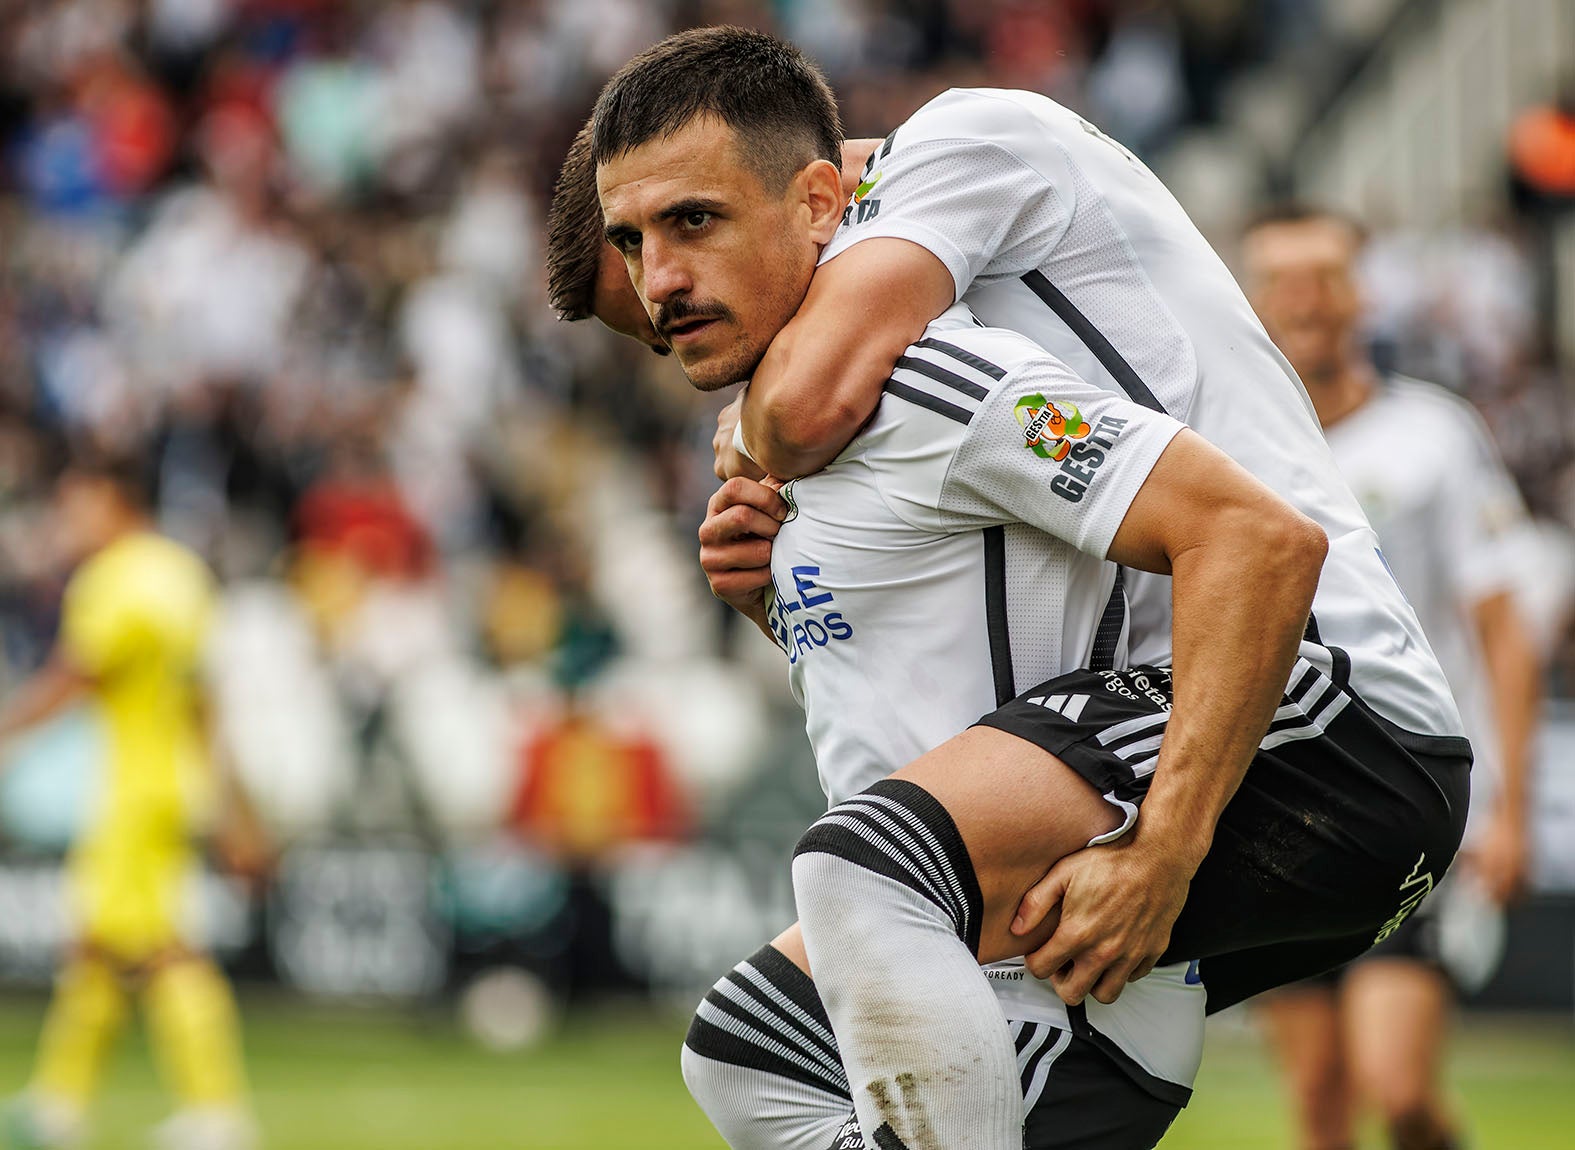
<point x="679" y="311"/>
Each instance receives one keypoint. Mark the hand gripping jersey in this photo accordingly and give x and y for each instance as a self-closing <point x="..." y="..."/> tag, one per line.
<point x="1053" y="230"/>
<point x="972" y="513"/>
<point x="1425" y="470"/>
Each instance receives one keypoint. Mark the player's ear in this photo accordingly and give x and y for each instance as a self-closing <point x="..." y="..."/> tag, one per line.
<point x="823" y="194"/>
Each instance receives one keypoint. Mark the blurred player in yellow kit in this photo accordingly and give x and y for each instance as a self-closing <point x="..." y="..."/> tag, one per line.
<point x="132" y="630"/>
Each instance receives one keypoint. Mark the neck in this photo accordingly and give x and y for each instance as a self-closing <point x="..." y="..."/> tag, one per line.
<point x="855" y="154"/>
<point x="1341" y="393"/>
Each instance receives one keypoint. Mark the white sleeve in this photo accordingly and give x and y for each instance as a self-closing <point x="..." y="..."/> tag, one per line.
<point x="1052" y="451"/>
<point x="974" y="177"/>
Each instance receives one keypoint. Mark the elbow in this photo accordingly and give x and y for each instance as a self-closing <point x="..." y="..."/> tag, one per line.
<point x="1300" y="547"/>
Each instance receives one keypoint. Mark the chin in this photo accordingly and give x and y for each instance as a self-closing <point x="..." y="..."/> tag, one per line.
<point x="714" y="372"/>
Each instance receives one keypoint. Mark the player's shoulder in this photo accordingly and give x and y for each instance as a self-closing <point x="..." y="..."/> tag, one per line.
<point x="1429" y="410"/>
<point x="1025" y="123"/>
<point x="140" y="569"/>
<point x="958" y="365"/>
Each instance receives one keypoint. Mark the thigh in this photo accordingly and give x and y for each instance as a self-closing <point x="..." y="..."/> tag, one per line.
<point x="1018" y="809"/>
<point x="1078" y="1097"/>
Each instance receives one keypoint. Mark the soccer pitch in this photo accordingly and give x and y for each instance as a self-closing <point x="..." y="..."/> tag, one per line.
<point x="337" y="1079"/>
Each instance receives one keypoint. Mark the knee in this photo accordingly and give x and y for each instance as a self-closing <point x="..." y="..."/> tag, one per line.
<point x="893" y="833"/>
<point x="705" y="1079"/>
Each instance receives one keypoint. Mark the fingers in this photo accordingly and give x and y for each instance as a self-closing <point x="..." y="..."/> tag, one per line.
<point x="738" y="523"/>
<point x="732" y="586"/>
<point x="748" y="493"/>
<point x="745" y="555"/>
<point x="1043" y="897"/>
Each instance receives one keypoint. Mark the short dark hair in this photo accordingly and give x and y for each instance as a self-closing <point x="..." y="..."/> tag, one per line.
<point x="773" y="97"/>
<point x="574" y="233"/>
<point x="1301" y="212"/>
<point x="132" y="476"/>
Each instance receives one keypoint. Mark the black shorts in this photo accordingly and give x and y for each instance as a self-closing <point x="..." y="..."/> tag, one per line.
<point x="1341" y="826"/>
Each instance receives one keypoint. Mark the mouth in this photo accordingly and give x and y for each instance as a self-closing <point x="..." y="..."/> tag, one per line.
<point x="689" y="329"/>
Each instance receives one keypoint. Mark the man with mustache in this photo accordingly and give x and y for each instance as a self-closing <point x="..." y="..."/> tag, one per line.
<point x="1305" y="867"/>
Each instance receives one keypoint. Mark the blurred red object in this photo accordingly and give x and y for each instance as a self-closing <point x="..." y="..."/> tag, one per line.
<point x="367" y="520"/>
<point x="1542" y="150"/>
<point x="586" y="789"/>
<point x="133" y="126"/>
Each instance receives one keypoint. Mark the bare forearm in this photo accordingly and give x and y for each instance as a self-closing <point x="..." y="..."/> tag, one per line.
<point x="810" y="395"/>
<point x="1515" y="675"/>
<point x="821" y="379"/>
<point x="1240" y="608"/>
<point x="52" y="689"/>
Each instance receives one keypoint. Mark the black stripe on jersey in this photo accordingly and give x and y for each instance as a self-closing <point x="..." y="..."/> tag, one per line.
<point x="995" y="614"/>
<point x="1340" y="661"/>
<point x="1161" y="1088"/>
<point x="885" y="148"/>
<point x="925" y="399"/>
<point x="1108" y="636"/>
<point x="962" y="355"/>
<point x="940" y="375"/>
<point x="1093" y="339"/>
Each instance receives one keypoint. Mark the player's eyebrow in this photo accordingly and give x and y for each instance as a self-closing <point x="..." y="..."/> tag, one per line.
<point x="616" y="232"/>
<point x="685" y="207"/>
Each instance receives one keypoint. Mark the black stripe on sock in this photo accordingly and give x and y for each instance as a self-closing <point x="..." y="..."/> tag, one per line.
<point x="922" y="809"/>
<point x="886" y="1138"/>
<point x="718" y="1045"/>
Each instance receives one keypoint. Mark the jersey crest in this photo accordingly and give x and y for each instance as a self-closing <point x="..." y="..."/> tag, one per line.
<point x="1047" y="430"/>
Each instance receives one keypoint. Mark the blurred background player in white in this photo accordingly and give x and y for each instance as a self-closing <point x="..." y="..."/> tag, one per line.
<point x="132" y="636"/>
<point x="1447" y="513"/>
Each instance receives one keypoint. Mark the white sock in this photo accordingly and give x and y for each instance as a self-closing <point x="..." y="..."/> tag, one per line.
<point x="761" y="1061"/>
<point x="891" y="913"/>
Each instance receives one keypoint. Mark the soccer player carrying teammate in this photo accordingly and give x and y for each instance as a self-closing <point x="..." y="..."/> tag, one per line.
<point x="1356" y="796"/>
<point x="1445" y="509"/>
<point x="131" y="638"/>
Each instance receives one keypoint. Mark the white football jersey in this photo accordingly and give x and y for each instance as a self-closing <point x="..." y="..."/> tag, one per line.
<point x="952" y="556"/>
<point x="1053" y="230"/>
<point x="1425" y="470"/>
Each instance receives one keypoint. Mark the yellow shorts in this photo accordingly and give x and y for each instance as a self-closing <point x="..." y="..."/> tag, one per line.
<point x="130" y="893"/>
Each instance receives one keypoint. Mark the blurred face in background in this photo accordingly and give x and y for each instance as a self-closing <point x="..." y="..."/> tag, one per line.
<point x="90" y="511"/>
<point x="720" y="259"/>
<point x="615" y="302"/>
<point x="1301" y="278"/>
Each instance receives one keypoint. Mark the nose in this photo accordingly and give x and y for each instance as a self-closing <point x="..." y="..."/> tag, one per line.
<point x="666" y="274"/>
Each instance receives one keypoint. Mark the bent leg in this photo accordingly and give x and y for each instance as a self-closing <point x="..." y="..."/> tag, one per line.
<point x="85" y="1016"/>
<point x="1303" y="1025"/>
<point x="1396" y="1013"/>
<point x="901" y="892"/>
<point x="760" y="1058"/>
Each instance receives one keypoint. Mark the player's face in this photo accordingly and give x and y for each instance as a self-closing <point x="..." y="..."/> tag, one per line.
<point x="720" y="262"/>
<point x="615" y="302"/>
<point x="85" y="509"/>
<point x="1302" y="281"/>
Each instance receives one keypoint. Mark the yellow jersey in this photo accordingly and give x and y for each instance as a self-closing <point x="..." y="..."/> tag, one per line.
<point x="135" y="619"/>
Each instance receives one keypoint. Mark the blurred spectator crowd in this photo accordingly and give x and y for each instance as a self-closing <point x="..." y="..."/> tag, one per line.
<point x="287" y="254"/>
